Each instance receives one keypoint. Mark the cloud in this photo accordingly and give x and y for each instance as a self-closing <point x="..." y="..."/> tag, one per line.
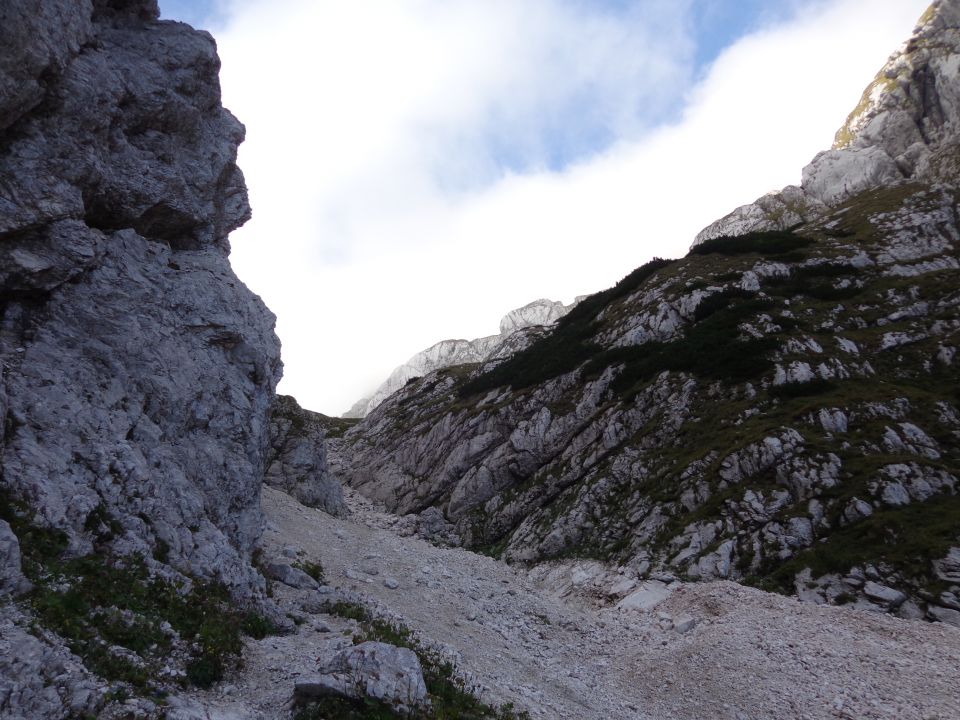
<point x="419" y="167"/>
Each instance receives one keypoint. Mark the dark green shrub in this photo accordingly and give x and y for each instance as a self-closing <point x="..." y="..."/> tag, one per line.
<point x="313" y="569"/>
<point x="709" y="349"/>
<point x="567" y="346"/>
<point x="769" y="243"/>
<point x="817" y="386"/>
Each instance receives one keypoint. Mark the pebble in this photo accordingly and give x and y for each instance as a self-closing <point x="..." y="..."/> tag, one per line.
<point x="391" y="583"/>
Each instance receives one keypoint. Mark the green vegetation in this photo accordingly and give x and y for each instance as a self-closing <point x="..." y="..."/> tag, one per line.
<point x="449" y="698"/>
<point x="710" y="348"/>
<point x="112" y="612"/>
<point x="313" y="569"/>
<point x="906" y="538"/>
<point x="567" y="346"/>
<point x="769" y="243"/>
<point x="817" y="386"/>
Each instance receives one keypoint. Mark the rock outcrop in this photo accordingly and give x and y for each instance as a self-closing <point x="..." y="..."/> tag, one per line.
<point x="776" y="408"/>
<point x="905" y="129"/>
<point x="297" y="461"/>
<point x="517" y="329"/>
<point x="138" y="372"/>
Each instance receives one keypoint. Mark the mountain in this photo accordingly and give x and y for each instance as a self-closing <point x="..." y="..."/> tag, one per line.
<point x="517" y="329"/>
<point x="778" y="408"/>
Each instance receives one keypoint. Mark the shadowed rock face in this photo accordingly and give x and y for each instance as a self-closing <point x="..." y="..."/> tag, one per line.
<point x="138" y="371"/>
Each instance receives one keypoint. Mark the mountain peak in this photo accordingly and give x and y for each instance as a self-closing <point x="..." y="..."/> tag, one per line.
<point x="905" y="127"/>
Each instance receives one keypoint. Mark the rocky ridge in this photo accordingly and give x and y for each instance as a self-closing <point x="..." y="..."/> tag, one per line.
<point x="905" y="129"/>
<point x="777" y="408"/>
<point x="518" y="328"/>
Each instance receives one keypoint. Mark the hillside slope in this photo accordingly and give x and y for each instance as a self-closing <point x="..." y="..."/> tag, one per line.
<point x="778" y="408"/>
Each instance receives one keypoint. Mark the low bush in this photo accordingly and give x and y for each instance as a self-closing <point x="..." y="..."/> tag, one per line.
<point x="100" y="603"/>
<point x="768" y="243"/>
<point x="709" y="348"/>
<point x="567" y="346"/>
<point x="817" y="386"/>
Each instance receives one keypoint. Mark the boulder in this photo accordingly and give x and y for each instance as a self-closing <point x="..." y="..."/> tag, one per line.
<point x="373" y="670"/>
<point x="646" y="597"/>
<point x="289" y="575"/>
<point x="12" y="580"/>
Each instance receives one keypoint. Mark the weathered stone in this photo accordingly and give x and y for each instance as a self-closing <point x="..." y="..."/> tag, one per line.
<point x="289" y="575"/>
<point x="297" y="462"/>
<point x="650" y="594"/>
<point x="139" y="370"/>
<point x="883" y="594"/>
<point x="372" y="669"/>
<point x="944" y="615"/>
<point x="12" y="581"/>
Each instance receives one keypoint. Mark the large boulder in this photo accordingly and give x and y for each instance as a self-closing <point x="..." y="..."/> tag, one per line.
<point x="375" y="670"/>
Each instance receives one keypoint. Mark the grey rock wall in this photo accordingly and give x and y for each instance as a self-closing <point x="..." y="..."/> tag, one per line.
<point x="138" y="371"/>
<point x="297" y="460"/>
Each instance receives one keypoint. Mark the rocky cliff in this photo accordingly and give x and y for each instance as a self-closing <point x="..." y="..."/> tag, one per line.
<point x="905" y="128"/>
<point x="518" y="328"/>
<point x="137" y="371"/>
<point x="777" y="408"/>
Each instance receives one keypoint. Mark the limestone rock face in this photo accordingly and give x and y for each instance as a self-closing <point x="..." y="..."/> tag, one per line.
<point x="514" y="335"/>
<point x="297" y="462"/>
<point x="904" y="129"/>
<point x="138" y="371"/>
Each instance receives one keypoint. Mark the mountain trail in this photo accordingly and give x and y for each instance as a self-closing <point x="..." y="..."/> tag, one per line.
<point x="750" y="654"/>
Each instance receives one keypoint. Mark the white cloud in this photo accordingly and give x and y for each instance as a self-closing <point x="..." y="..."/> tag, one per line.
<point x="383" y="220"/>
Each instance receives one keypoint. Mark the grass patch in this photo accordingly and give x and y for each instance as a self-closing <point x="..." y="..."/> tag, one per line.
<point x="112" y="613"/>
<point x="907" y="538"/>
<point x="810" y="388"/>
<point x="313" y="569"/>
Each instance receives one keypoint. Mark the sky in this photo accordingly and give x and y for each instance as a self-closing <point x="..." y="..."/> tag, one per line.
<point x="418" y="168"/>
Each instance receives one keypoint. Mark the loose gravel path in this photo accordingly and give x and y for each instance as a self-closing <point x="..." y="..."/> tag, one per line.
<point x="751" y="655"/>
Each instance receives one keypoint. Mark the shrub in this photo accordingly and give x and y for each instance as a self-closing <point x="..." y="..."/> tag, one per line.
<point x="567" y="346"/>
<point x="817" y="386"/>
<point x="709" y="349"/>
<point x="768" y="243"/>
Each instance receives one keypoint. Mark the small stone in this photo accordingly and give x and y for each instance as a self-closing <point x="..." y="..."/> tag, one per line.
<point x="883" y="594"/>
<point x="391" y="583"/>
<point x="684" y="624"/>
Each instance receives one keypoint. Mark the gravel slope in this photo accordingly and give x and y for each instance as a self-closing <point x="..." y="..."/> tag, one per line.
<point x="750" y="655"/>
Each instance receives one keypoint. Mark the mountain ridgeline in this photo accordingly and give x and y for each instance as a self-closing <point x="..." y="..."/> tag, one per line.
<point x="779" y="407"/>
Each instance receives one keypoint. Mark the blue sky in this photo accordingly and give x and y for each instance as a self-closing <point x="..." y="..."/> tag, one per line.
<point x="418" y="168"/>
